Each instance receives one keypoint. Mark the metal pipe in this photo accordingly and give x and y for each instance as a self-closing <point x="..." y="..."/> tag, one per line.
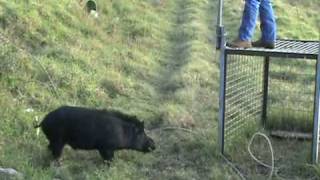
<point x="219" y="28"/>
<point x="220" y="14"/>
<point x="316" y="116"/>
<point x="265" y="90"/>
<point x="223" y="74"/>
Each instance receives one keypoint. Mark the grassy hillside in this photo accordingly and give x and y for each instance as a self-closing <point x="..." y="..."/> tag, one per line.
<point x="154" y="59"/>
<point x="150" y="59"/>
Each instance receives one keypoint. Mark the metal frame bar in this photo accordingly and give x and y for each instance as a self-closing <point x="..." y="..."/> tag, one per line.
<point x="315" y="134"/>
<point x="220" y="13"/>
<point x="300" y="40"/>
<point x="270" y="53"/>
<point x="265" y="90"/>
<point x="223" y="70"/>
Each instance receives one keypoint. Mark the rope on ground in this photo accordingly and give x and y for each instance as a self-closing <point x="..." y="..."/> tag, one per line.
<point x="233" y="167"/>
<point x="271" y="151"/>
<point x="173" y="128"/>
<point x="178" y="128"/>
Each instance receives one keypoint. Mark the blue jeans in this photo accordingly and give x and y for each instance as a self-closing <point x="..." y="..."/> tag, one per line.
<point x="252" y="9"/>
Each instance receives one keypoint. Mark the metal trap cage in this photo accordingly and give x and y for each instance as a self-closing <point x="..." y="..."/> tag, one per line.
<point x="268" y="88"/>
<point x="259" y="87"/>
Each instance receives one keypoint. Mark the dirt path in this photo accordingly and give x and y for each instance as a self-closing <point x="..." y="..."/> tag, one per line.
<point x="175" y="57"/>
<point x="185" y="152"/>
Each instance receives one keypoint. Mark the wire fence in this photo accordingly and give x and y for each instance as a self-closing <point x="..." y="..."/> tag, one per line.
<point x="291" y="94"/>
<point x="244" y="94"/>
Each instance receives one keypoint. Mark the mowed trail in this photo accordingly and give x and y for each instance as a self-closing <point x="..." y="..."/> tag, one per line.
<point x="176" y="54"/>
<point x="187" y="96"/>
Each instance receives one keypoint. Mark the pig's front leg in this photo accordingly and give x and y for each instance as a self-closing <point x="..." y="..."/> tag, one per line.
<point x="107" y="155"/>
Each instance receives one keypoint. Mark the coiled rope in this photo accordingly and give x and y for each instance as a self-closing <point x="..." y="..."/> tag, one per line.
<point x="271" y="151"/>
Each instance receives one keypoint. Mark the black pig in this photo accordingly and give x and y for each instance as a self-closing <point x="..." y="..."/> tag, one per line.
<point x="83" y="128"/>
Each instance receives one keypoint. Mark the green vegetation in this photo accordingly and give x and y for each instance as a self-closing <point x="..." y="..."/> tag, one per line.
<point x="151" y="58"/>
<point x="148" y="59"/>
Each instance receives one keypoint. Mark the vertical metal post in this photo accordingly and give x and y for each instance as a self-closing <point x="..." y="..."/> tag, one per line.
<point x="223" y="74"/>
<point x="219" y="28"/>
<point x="220" y="13"/>
<point x="315" y="135"/>
<point x="265" y="90"/>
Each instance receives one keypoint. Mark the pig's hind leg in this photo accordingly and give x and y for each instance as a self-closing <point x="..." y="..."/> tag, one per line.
<point x="56" y="149"/>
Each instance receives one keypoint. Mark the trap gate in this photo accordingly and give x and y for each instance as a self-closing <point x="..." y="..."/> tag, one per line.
<point x="245" y="97"/>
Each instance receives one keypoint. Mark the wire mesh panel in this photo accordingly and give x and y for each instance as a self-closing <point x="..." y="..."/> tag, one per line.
<point x="243" y="95"/>
<point x="291" y="94"/>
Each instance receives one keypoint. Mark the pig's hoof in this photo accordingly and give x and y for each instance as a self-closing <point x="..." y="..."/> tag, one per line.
<point x="56" y="163"/>
<point x="107" y="162"/>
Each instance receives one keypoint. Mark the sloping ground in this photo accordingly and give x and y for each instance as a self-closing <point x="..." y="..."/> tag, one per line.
<point x="151" y="59"/>
<point x="154" y="59"/>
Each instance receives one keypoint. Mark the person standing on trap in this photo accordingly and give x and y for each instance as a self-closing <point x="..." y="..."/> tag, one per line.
<point x="268" y="26"/>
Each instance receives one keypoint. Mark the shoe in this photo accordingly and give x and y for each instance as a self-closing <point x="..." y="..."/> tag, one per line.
<point x="240" y="44"/>
<point x="260" y="43"/>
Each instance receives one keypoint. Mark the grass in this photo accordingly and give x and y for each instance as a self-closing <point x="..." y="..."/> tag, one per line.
<point x="134" y="58"/>
<point x="152" y="59"/>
